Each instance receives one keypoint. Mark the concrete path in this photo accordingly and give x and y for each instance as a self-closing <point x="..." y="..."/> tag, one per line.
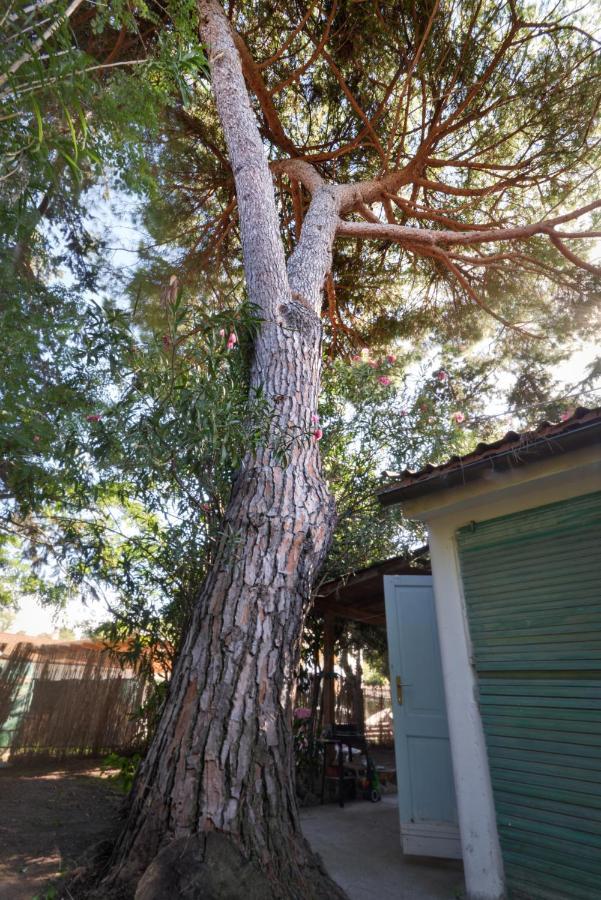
<point x="360" y="846"/>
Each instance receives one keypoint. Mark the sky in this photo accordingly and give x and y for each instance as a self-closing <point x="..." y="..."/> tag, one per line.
<point x="34" y="619"/>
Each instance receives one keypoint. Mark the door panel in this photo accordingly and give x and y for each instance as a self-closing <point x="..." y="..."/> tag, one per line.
<point x="424" y="774"/>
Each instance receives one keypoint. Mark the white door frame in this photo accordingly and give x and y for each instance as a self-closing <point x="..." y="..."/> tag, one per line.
<point x="482" y="860"/>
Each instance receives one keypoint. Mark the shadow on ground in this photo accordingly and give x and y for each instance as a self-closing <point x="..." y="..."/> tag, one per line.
<point x="49" y="816"/>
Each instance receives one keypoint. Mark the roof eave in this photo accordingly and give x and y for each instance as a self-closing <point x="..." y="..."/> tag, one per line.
<point x="502" y="461"/>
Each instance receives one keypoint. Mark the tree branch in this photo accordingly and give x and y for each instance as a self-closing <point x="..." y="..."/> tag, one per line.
<point x="318" y="49"/>
<point x="262" y="247"/>
<point x="469" y="290"/>
<point x="281" y="50"/>
<point x="73" y="6"/>
<point x="259" y="88"/>
<point x="405" y="234"/>
<point x="573" y="257"/>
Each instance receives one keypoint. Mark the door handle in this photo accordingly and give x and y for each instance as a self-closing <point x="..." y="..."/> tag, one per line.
<point x="399" y="689"/>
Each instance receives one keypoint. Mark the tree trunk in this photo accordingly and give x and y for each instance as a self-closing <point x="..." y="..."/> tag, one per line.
<point x="222" y="756"/>
<point x="214" y="802"/>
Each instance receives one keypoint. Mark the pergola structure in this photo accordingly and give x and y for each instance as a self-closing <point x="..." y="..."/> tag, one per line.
<point x="358" y="598"/>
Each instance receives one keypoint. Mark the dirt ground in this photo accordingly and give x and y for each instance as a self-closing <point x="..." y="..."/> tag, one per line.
<point x="49" y="815"/>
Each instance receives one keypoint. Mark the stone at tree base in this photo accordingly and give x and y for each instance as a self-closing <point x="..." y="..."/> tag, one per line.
<point x="203" y="868"/>
<point x="212" y="867"/>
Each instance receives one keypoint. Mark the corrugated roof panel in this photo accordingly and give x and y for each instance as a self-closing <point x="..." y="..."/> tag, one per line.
<point x="511" y="451"/>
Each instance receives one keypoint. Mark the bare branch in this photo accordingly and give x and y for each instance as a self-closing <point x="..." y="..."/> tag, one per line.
<point x="296" y="31"/>
<point x="259" y="88"/>
<point x="73" y="6"/>
<point x="573" y="257"/>
<point x="403" y="233"/>
<point x="259" y="225"/>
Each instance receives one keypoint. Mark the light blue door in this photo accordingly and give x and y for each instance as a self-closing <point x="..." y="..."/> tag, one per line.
<point x="423" y="758"/>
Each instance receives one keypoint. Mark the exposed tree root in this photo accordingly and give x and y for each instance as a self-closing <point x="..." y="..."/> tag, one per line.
<point x="200" y="867"/>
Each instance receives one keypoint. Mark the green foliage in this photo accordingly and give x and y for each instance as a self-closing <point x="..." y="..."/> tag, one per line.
<point x="6" y="618"/>
<point x="125" y="499"/>
<point x="126" y="767"/>
<point x="391" y="412"/>
<point x="51" y="893"/>
<point x="165" y="453"/>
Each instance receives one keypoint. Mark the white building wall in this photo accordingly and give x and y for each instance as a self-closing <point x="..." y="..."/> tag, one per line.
<point x="498" y="494"/>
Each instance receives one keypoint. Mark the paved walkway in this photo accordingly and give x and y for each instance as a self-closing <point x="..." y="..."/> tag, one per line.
<point x="360" y="846"/>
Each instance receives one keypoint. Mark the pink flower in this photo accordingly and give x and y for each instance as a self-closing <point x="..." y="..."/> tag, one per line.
<point x="318" y="434"/>
<point x="356" y="358"/>
<point x="372" y="363"/>
<point x="391" y="358"/>
<point x="365" y="353"/>
<point x="95" y="417"/>
<point x="222" y="332"/>
<point x="459" y="417"/>
<point x="314" y="419"/>
<point x="303" y="712"/>
<point x="385" y="380"/>
<point x="232" y="341"/>
<point x="442" y="375"/>
<point x="206" y="507"/>
<point x="567" y="414"/>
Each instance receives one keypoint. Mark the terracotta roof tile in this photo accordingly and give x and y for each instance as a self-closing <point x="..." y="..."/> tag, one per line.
<point x="582" y="428"/>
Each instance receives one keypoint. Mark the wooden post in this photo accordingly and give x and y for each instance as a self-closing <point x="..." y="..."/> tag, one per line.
<point x="329" y="694"/>
<point x="358" y="699"/>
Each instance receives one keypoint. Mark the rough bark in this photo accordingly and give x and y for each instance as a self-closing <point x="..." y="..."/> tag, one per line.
<point x="221" y="760"/>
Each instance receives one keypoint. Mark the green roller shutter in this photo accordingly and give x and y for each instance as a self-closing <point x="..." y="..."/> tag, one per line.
<point x="532" y="585"/>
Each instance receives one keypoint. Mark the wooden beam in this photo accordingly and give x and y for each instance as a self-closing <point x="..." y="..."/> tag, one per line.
<point x="329" y="693"/>
<point x="371" y="616"/>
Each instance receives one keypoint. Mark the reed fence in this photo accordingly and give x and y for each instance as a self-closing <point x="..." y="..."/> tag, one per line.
<point x="61" y="699"/>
